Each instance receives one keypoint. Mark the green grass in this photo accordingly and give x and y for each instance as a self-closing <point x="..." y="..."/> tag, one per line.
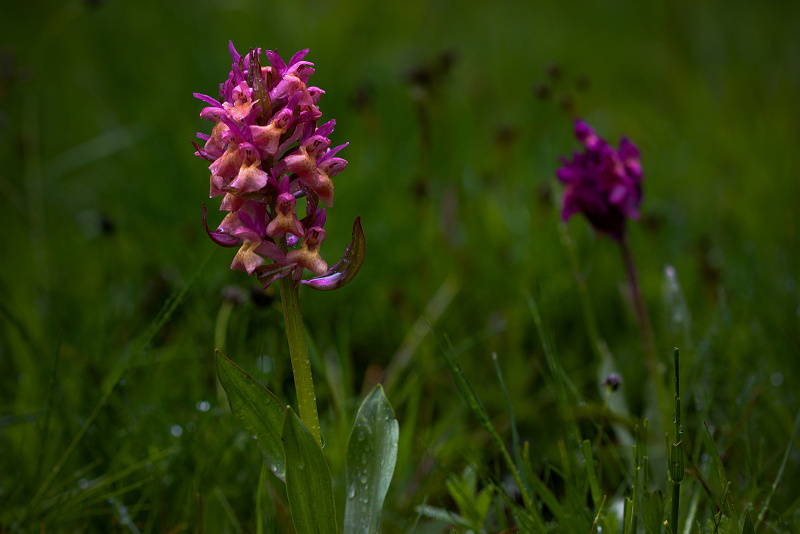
<point x="100" y="201"/>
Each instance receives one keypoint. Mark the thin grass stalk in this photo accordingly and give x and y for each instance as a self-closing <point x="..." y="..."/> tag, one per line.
<point x="514" y="433"/>
<point x="48" y="410"/>
<point x="636" y="482"/>
<point x="555" y="370"/>
<point x="583" y="292"/>
<point x="475" y="404"/>
<point x="676" y="467"/>
<point x="765" y="507"/>
<point x="163" y="316"/>
<point x="597" y="517"/>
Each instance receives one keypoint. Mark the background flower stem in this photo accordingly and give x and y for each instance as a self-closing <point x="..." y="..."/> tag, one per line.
<point x="298" y="351"/>
<point x="645" y="330"/>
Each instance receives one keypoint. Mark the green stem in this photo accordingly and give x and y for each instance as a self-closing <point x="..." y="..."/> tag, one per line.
<point x="298" y="352"/>
<point x="676" y="505"/>
<point x="676" y="462"/>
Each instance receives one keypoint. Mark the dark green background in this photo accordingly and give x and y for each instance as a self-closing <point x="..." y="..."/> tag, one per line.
<point x="456" y="114"/>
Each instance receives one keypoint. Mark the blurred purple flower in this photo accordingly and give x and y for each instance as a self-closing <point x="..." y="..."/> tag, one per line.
<point x="266" y="151"/>
<point x="612" y="382"/>
<point x="603" y="183"/>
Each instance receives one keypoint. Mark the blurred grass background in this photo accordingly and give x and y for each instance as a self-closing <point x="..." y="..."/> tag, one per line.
<point x="456" y="113"/>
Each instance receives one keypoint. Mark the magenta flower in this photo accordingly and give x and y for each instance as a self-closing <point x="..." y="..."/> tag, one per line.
<point x="266" y="151"/>
<point x="603" y="183"/>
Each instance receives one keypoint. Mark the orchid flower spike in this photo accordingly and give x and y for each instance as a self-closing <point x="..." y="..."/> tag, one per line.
<point x="603" y="183"/>
<point x="267" y="150"/>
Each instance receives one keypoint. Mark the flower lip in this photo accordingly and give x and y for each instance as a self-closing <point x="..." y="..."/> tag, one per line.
<point x="249" y="153"/>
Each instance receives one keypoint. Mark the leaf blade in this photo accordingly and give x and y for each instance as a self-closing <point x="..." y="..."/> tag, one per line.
<point x="371" y="458"/>
<point x="259" y="411"/>
<point x="308" y="480"/>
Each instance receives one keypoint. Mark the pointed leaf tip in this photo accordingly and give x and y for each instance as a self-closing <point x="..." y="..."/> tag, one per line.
<point x="371" y="459"/>
<point x="259" y="411"/>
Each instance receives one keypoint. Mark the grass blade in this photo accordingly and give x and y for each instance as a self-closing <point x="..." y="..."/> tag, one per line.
<point x="765" y="507"/>
<point x="161" y="319"/>
<point x="475" y="404"/>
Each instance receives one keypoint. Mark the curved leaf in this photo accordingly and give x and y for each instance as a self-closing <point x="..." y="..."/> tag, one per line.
<point x="371" y="456"/>
<point x="219" y="238"/>
<point x="308" y="480"/>
<point x="259" y="411"/>
<point x="347" y="267"/>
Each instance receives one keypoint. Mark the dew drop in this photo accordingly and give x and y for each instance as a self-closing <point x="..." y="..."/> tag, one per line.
<point x="360" y="435"/>
<point x="176" y="430"/>
<point x="83" y="483"/>
<point x="351" y="491"/>
<point x="363" y="479"/>
<point x="264" y="363"/>
<point x="203" y="406"/>
<point x="776" y="379"/>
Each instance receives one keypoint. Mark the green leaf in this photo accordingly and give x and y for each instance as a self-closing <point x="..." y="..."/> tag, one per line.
<point x="748" y="524"/>
<point x="653" y="511"/>
<point x="259" y="411"/>
<point x="591" y="472"/>
<point x="440" y="514"/>
<point x="371" y="457"/>
<point x="308" y="480"/>
<point x="473" y="505"/>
